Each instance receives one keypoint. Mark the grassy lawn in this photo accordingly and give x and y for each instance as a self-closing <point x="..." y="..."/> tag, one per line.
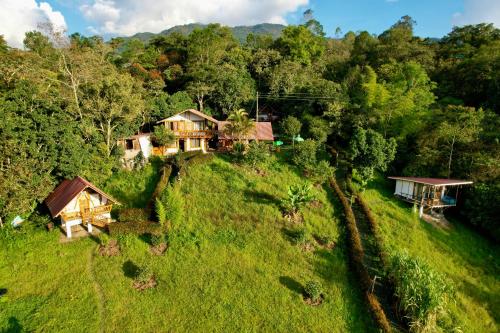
<point x="230" y="266"/>
<point x="466" y="258"/>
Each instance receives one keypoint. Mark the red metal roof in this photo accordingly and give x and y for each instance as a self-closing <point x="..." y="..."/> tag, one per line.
<point x="433" y="181"/>
<point x="261" y="131"/>
<point x="66" y="191"/>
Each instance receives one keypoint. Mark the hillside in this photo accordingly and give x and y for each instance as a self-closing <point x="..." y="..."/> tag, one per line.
<point x="232" y="264"/>
<point x="240" y="32"/>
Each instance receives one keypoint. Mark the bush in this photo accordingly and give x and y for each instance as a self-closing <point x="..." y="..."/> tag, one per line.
<point x="161" y="212"/>
<point x="139" y="161"/>
<point x="257" y="153"/>
<point x="133" y="215"/>
<point x="144" y="274"/>
<point x="136" y="228"/>
<point x="157" y="239"/>
<point x="239" y="149"/>
<point x="173" y="203"/>
<point x="306" y="154"/>
<point x="423" y="293"/>
<point x="313" y="290"/>
<point x="298" y="196"/>
<point x="321" y="172"/>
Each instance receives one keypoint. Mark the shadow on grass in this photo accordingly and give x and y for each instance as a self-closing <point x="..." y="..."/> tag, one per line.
<point x="292" y="284"/>
<point x="261" y="197"/>
<point x="13" y="326"/>
<point x="146" y="238"/>
<point x="130" y="269"/>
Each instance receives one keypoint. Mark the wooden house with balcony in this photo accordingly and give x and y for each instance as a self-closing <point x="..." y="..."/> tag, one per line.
<point x="79" y="202"/>
<point x="192" y="128"/>
<point x="429" y="193"/>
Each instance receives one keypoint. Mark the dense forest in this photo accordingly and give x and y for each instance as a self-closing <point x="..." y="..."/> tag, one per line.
<point x="65" y="101"/>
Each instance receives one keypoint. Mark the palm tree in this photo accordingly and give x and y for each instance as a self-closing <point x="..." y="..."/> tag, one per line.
<point x="239" y="124"/>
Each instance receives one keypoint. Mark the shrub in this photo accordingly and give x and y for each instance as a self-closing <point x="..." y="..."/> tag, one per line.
<point x="173" y="203"/>
<point x="144" y="274"/>
<point x="306" y="154"/>
<point x="133" y="215"/>
<point x="321" y="172"/>
<point x="257" y="153"/>
<point x="104" y="238"/>
<point x="136" y="228"/>
<point x="161" y="212"/>
<point x="423" y="293"/>
<point x="157" y="239"/>
<point x="298" y="196"/>
<point x="139" y="161"/>
<point x="239" y="149"/>
<point x="313" y="290"/>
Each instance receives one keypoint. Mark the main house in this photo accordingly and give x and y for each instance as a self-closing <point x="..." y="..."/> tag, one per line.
<point x="79" y="202"/>
<point x="194" y="131"/>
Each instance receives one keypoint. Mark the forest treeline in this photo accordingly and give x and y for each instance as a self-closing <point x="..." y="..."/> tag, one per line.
<point x="65" y="101"/>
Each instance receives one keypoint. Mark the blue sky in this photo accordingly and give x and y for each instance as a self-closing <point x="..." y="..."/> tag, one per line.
<point x="435" y="18"/>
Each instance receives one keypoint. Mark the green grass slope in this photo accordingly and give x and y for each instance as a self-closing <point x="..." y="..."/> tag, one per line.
<point x="469" y="260"/>
<point x="230" y="267"/>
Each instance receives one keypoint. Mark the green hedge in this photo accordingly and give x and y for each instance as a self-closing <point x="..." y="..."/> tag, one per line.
<point x="356" y="254"/>
<point x="133" y="215"/>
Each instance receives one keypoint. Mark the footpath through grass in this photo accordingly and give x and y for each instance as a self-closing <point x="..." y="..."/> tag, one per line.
<point x="230" y="266"/>
<point x="469" y="260"/>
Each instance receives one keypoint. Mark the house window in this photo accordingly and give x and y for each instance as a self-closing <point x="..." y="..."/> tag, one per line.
<point x="197" y="125"/>
<point x="129" y="144"/>
<point x="195" y="143"/>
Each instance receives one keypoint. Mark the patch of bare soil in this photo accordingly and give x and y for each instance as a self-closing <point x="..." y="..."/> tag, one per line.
<point x="307" y="247"/>
<point x="326" y="244"/>
<point x="143" y="285"/>
<point x="316" y="203"/>
<point x="293" y="217"/>
<point x="110" y="250"/>
<point x="261" y="172"/>
<point x="437" y="220"/>
<point x="309" y="301"/>
<point x="159" y="249"/>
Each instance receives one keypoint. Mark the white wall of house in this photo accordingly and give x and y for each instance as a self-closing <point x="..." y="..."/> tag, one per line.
<point x="185" y="116"/>
<point x="146" y="147"/>
<point x="404" y="188"/>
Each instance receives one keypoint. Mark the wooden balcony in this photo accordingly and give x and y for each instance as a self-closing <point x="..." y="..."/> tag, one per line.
<point x="194" y="133"/>
<point x="99" y="210"/>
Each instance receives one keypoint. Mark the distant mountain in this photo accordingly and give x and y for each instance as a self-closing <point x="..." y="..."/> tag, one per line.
<point x="240" y="32"/>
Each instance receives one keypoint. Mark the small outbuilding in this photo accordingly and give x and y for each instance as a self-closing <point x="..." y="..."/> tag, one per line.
<point x="78" y="201"/>
<point x="429" y="192"/>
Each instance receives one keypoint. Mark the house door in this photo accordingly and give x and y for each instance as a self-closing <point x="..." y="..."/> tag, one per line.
<point x="181" y="145"/>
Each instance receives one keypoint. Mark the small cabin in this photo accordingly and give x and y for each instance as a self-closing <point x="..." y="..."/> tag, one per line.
<point x="429" y="192"/>
<point x="79" y="202"/>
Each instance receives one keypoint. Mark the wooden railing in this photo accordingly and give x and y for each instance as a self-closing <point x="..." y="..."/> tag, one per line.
<point x="87" y="213"/>
<point x="194" y="133"/>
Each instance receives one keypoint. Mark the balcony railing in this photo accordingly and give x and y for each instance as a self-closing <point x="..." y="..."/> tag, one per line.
<point x="99" y="210"/>
<point x="194" y="133"/>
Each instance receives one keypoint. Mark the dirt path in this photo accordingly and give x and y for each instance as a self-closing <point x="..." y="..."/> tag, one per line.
<point x="97" y="288"/>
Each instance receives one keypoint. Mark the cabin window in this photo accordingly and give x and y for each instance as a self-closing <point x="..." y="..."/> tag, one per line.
<point x="129" y="144"/>
<point x="198" y="125"/>
<point x="195" y="143"/>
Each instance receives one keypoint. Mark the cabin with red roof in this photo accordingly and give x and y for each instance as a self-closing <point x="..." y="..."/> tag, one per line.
<point x="79" y="202"/>
<point x="429" y="193"/>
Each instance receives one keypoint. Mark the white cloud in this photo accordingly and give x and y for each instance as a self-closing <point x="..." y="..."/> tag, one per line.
<point x="478" y="11"/>
<point x="127" y="17"/>
<point x="19" y="16"/>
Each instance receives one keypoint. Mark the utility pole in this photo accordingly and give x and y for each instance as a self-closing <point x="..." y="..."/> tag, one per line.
<point x="257" y="112"/>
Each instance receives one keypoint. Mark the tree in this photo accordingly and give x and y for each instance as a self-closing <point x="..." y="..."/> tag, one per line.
<point x="297" y="197"/>
<point x="112" y="104"/>
<point x="239" y="124"/>
<point x="299" y="44"/>
<point x="306" y="154"/>
<point x="369" y="152"/>
<point x="163" y="136"/>
<point x="291" y="127"/>
<point x="3" y="45"/>
<point x="464" y="129"/>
